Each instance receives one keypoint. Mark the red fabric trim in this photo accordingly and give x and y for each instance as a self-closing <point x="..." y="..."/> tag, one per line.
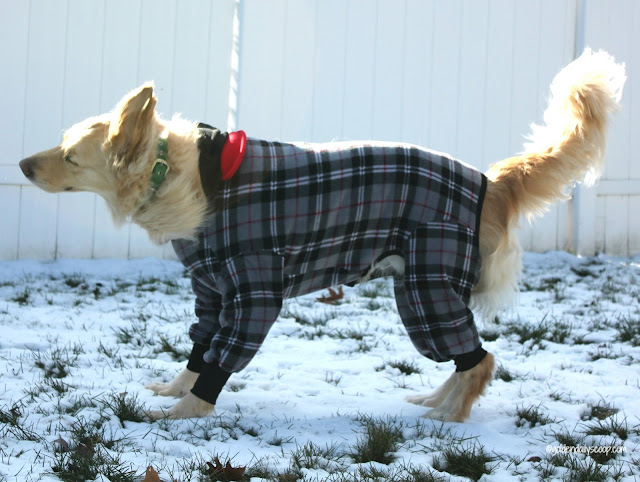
<point x="232" y="154"/>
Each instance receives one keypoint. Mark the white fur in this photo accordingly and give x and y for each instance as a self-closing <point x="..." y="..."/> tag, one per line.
<point x="178" y="387"/>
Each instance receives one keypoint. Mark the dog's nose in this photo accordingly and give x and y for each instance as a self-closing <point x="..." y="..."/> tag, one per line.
<point x="27" y="168"/>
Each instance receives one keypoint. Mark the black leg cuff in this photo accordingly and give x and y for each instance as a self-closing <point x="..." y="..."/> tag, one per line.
<point x="196" y="359"/>
<point x="469" y="360"/>
<point x="210" y="382"/>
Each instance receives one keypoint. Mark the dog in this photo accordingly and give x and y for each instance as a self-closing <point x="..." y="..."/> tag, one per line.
<point x="257" y="222"/>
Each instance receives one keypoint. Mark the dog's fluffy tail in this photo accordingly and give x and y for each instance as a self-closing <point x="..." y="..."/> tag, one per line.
<point x="568" y="148"/>
<point x="570" y="145"/>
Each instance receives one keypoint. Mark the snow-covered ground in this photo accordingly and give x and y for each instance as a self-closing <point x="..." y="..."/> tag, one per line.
<point x="80" y="339"/>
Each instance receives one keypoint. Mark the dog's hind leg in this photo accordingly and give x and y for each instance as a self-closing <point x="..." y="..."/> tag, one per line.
<point x="456" y="407"/>
<point x="436" y="398"/>
<point x="178" y="387"/>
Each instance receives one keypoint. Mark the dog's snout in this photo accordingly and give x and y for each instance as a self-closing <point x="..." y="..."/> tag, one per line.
<point x="27" y="168"/>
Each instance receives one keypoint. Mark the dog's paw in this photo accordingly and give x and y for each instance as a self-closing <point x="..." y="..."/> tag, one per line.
<point x="178" y="387"/>
<point x="189" y="407"/>
<point x="167" y="390"/>
<point x="436" y="398"/>
<point x="444" y="415"/>
<point x="424" y="400"/>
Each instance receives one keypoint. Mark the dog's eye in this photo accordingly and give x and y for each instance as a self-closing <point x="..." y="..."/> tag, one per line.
<point x="68" y="160"/>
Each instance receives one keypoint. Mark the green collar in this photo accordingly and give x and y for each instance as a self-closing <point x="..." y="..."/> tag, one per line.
<point x="160" y="168"/>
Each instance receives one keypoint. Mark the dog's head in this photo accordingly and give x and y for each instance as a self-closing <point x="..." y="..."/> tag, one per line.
<point x="103" y="154"/>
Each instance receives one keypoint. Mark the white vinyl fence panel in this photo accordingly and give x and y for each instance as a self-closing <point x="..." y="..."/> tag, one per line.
<point x="66" y="60"/>
<point x="613" y="224"/>
<point x="460" y="76"/>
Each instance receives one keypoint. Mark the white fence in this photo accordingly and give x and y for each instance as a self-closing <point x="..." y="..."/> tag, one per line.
<point x="464" y="76"/>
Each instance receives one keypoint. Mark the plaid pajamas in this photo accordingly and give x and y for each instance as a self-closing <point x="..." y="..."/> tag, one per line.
<point x="296" y="218"/>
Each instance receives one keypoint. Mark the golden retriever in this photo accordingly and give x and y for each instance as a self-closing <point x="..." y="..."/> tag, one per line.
<point x="113" y="155"/>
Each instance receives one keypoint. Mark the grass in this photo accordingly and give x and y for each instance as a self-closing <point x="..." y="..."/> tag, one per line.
<point x="173" y="348"/>
<point x="22" y="298"/>
<point x="312" y="456"/>
<point x="603" y="352"/>
<point x="405" y="367"/>
<point x="555" y="331"/>
<point x="154" y="284"/>
<point x="532" y="416"/>
<point x="569" y="439"/>
<point x="12" y="424"/>
<point x="628" y="329"/>
<point x="84" y="462"/>
<point x="490" y="335"/>
<point x="126" y="407"/>
<point x="374" y="289"/>
<point x="503" y="373"/>
<point x="58" y="362"/>
<point x="609" y="426"/>
<point x="599" y="411"/>
<point x="528" y="333"/>
<point x="74" y="281"/>
<point x="309" y="318"/>
<point x="381" y="439"/>
<point x="137" y="333"/>
<point x="470" y="461"/>
<point x="580" y="469"/>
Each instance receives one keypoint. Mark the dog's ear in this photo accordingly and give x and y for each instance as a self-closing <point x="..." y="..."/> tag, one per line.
<point x="131" y="124"/>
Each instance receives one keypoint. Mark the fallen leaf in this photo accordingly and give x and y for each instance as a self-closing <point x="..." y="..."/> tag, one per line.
<point x="151" y="475"/>
<point x="234" y="473"/>
<point x="334" y="296"/>
<point x="64" y="445"/>
<point x="228" y="471"/>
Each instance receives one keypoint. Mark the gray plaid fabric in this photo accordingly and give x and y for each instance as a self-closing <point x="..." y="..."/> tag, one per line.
<point x="297" y="218"/>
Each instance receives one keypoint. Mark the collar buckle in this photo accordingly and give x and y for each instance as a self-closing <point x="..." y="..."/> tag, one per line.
<point x="160" y="167"/>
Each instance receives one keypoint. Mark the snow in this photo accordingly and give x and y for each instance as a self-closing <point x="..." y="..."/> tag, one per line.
<point x="321" y="371"/>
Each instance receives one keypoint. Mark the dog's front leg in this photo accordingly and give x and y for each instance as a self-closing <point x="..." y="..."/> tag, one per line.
<point x="186" y="379"/>
<point x="178" y="387"/>
<point x="189" y="407"/>
<point x="200" y="400"/>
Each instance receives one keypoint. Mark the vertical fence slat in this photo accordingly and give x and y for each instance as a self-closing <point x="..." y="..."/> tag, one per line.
<point x="471" y="100"/>
<point x="83" y="61"/>
<point x="109" y="241"/>
<point x="38" y="220"/>
<point x="417" y="68"/>
<point x="10" y="206"/>
<point x="120" y="52"/>
<point x="14" y="38"/>
<point x="328" y="72"/>
<point x="157" y="50"/>
<point x="445" y="72"/>
<point x="388" y="100"/>
<point x="359" y="70"/>
<point x="298" y="70"/>
<point x="74" y="227"/>
<point x="261" y="61"/>
<point x="45" y="78"/>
